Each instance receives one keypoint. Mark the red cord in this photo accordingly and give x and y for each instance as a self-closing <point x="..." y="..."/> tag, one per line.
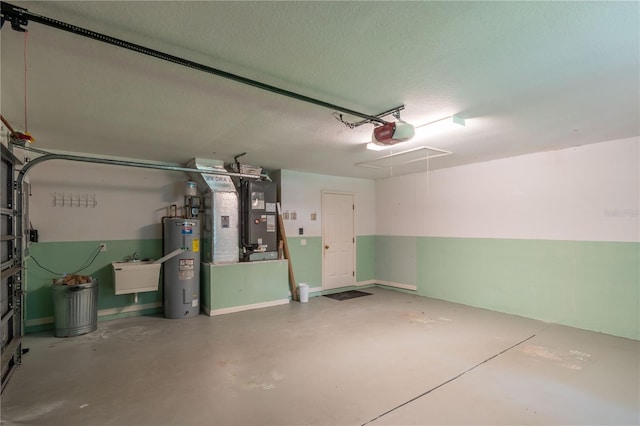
<point x="26" y="37"/>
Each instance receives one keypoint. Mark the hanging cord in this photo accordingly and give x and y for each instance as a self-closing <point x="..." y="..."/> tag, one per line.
<point x="26" y="39"/>
<point x="338" y="116"/>
<point x="70" y="273"/>
<point x="428" y="158"/>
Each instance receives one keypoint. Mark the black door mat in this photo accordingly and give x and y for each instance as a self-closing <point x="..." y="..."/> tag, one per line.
<point x="345" y="295"/>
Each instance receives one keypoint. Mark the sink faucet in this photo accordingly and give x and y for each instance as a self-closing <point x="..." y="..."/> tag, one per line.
<point x="135" y="257"/>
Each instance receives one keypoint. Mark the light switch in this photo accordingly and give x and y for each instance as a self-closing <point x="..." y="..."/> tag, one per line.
<point x="303" y="242"/>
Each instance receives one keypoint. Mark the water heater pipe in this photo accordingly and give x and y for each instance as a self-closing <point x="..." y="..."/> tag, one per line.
<point x="171" y="255"/>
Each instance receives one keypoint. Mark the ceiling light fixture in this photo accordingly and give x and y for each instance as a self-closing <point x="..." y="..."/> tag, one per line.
<point x="448" y="123"/>
<point x="372" y="146"/>
<point x="424" y="130"/>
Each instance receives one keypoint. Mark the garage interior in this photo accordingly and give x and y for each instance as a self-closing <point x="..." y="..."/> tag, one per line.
<point x="299" y="149"/>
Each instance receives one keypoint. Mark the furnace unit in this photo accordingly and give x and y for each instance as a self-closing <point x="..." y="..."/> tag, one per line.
<point x="259" y="229"/>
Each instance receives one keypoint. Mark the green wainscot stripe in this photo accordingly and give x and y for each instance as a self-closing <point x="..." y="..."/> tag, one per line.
<point x="395" y="259"/>
<point x="67" y="257"/>
<point x="365" y="257"/>
<point x="206" y="300"/>
<point x="306" y="260"/>
<point x="241" y="284"/>
<point x="589" y="285"/>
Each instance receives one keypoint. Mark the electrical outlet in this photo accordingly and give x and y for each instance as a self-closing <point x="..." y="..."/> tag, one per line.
<point x="103" y="246"/>
<point x="294" y="216"/>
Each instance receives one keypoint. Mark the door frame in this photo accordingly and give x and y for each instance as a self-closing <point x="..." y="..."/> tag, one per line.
<point x="323" y="229"/>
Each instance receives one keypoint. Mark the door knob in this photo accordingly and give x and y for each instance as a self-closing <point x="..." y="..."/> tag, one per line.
<point x="326" y="247"/>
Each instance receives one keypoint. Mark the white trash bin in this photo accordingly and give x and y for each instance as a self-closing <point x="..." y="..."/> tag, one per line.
<point x="303" y="291"/>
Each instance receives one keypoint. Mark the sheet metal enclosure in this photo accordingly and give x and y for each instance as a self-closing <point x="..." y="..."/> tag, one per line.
<point x="259" y="221"/>
<point x="220" y="223"/>
<point x="182" y="273"/>
<point x="220" y="233"/>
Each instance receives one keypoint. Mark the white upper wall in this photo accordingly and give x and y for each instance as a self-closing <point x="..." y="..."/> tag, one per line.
<point x="302" y="193"/>
<point x="588" y="193"/>
<point x="130" y="202"/>
<point x="584" y="193"/>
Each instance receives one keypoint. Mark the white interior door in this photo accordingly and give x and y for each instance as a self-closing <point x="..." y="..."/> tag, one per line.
<point x="338" y="240"/>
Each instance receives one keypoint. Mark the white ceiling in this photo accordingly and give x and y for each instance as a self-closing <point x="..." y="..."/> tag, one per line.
<point x="527" y="77"/>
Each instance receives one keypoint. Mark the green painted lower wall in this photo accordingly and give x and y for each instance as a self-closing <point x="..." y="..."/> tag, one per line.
<point x="396" y="259"/>
<point x="242" y="284"/>
<point x="584" y="284"/>
<point x="366" y="258"/>
<point x="307" y="259"/>
<point x="67" y="257"/>
<point x="589" y="285"/>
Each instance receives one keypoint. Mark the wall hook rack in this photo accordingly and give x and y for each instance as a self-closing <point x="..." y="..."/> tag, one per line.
<point x="62" y="199"/>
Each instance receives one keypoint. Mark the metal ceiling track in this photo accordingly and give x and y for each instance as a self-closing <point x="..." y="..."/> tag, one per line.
<point x="15" y="141"/>
<point x="47" y="156"/>
<point x="19" y="17"/>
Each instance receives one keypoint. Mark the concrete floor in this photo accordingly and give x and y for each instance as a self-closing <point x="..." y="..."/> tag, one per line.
<point x="386" y="359"/>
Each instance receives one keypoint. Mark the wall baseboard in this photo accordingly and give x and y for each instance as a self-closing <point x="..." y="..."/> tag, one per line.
<point x="101" y="313"/>
<point x="38" y="321"/>
<point x="311" y="290"/>
<point x="356" y="284"/>
<point x="222" y="311"/>
<point x="130" y="308"/>
<point x="396" y="285"/>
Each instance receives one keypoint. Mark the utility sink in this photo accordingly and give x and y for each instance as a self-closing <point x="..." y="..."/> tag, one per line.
<point x="136" y="277"/>
<point x="139" y="276"/>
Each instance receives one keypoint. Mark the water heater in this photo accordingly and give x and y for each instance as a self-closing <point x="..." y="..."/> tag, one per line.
<point x="182" y="273"/>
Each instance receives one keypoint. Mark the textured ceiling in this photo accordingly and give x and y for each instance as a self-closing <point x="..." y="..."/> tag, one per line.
<point x="527" y="77"/>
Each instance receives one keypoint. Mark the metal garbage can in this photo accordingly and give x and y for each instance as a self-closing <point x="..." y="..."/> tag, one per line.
<point x="75" y="308"/>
